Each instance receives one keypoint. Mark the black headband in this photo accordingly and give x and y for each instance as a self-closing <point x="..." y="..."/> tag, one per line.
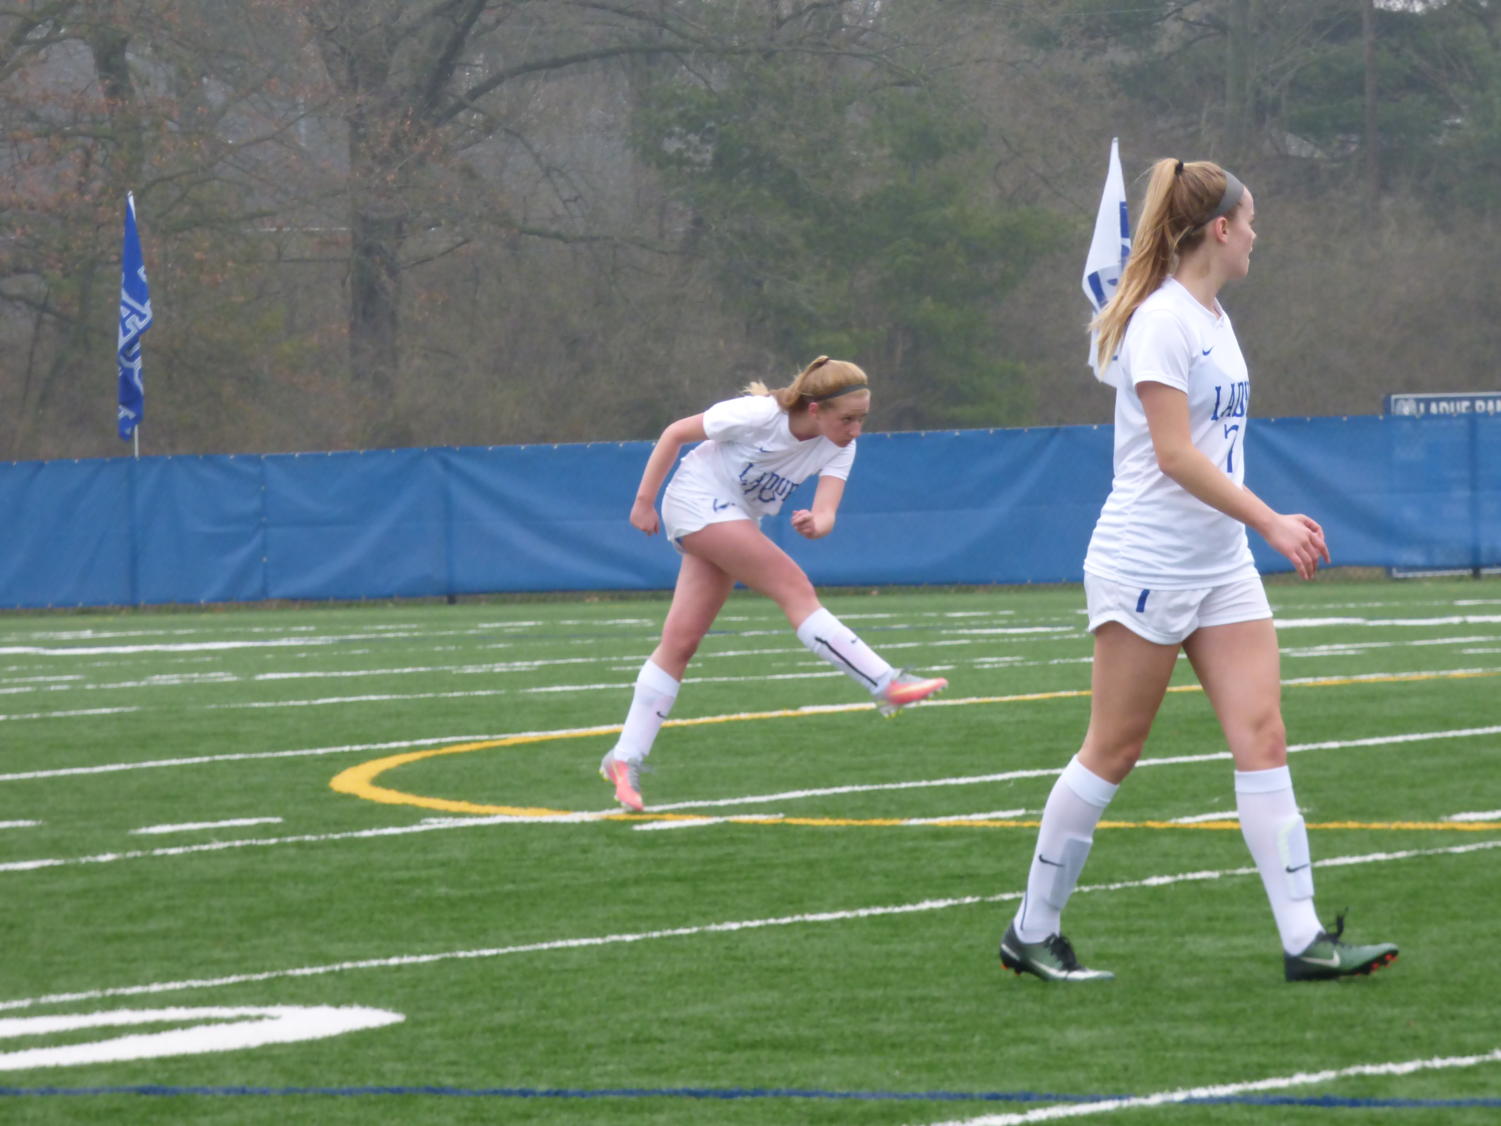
<point x="836" y="394"/>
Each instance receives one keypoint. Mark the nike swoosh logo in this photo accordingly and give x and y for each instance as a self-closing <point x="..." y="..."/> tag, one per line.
<point x="1206" y="351"/>
<point x="1312" y="961"/>
<point x="661" y="716"/>
<point x="1045" y="970"/>
<point x="721" y="505"/>
<point x="1300" y="867"/>
<point x="1041" y="859"/>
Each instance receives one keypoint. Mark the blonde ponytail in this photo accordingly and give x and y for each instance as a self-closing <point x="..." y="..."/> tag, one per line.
<point x="1181" y="200"/>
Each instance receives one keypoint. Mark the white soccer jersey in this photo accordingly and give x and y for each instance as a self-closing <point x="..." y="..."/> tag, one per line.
<point x="753" y="456"/>
<point x="1152" y="532"/>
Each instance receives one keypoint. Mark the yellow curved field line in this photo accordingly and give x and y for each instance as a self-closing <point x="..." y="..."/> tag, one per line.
<point x="360" y="781"/>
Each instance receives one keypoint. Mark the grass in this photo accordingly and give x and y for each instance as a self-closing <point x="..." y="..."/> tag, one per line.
<point x="599" y="960"/>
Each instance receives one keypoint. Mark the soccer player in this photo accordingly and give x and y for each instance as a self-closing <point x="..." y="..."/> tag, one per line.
<point x="1169" y="568"/>
<point x="752" y="452"/>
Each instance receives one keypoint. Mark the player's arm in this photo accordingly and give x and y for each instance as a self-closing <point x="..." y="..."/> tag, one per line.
<point x="817" y="522"/>
<point x="1296" y="536"/>
<point x="677" y="435"/>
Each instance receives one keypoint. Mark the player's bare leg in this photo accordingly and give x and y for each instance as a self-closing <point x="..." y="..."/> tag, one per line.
<point x="741" y="550"/>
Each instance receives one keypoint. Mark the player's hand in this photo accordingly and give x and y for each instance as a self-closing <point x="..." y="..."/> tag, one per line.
<point x="805" y="523"/>
<point x="1301" y="539"/>
<point x="644" y="516"/>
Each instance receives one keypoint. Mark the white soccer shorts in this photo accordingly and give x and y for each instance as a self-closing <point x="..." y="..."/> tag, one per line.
<point x="1167" y="617"/>
<point x="688" y="507"/>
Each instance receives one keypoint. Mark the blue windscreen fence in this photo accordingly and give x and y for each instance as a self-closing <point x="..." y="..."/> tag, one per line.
<point x="950" y="507"/>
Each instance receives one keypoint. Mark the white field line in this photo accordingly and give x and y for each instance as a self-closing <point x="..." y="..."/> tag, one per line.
<point x="815" y="673"/>
<point x="1222" y="1090"/>
<point x="416" y="631"/>
<point x="1444" y="620"/>
<point x="174" y="647"/>
<point x="697" y="822"/>
<point x="808" y="674"/>
<point x="195" y="826"/>
<point x="404" y="629"/>
<point x="960" y="637"/>
<point x="200" y="760"/>
<point x="1349" y="648"/>
<point x="631" y="661"/>
<point x="872" y="787"/>
<point x="427" y="825"/>
<point x="19" y="824"/>
<point x="240" y="756"/>
<point x="373" y="698"/>
<point x="824" y="673"/>
<point x="1483" y="815"/>
<point x="431" y="824"/>
<point x="848" y="915"/>
<point x="208" y="1030"/>
<point x="993" y="815"/>
<point x="71" y="714"/>
<point x="305" y="637"/>
<point x="1043" y="772"/>
<point x="308" y="639"/>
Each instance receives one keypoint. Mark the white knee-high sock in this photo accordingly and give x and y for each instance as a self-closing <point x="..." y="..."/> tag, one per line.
<point x="1278" y="840"/>
<point x="655" y="693"/>
<point x="1074" y="807"/>
<point x="829" y="638"/>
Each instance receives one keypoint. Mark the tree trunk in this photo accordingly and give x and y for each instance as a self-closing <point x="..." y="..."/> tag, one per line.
<point x="374" y="309"/>
<point x="1372" y="142"/>
<point x="1239" y="43"/>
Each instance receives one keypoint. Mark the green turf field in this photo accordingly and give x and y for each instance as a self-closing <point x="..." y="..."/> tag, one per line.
<point x="803" y="926"/>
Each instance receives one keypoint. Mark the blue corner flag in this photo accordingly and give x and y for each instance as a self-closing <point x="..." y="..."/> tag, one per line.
<point x="135" y="319"/>
<point x="1109" y="248"/>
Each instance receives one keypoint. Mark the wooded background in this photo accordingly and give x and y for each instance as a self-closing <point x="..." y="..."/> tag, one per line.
<point x="375" y="223"/>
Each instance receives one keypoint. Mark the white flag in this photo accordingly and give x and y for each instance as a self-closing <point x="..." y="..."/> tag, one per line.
<point x="1108" y="251"/>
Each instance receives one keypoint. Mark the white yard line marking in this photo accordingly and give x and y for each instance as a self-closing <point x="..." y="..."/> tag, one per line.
<point x="1355" y="647"/>
<point x="208" y="1030"/>
<point x="864" y="788"/>
<point x="372" y="698"/>
<point x="993" y="815"/>
<point x="1485" y="815"/>
<point x="687" y="931"/>
<point x="789" y="795"/>
<point x="195" y="826"/>
<point x="259" y="842"/>
<point x="243" y="756"/>
<point x="613" y="663"/>
<point x="1445" y="620"/>
<point x="70" y="714"/>
<point x="700" y="822"/>
<point x="168" y="647"/>
<point x="1044" y="772"/>
<point x="19" y="824"/>
<point x="1221" y="1090"/>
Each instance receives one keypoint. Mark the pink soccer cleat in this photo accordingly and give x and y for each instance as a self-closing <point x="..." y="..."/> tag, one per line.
<point x="906" y="688"/>
<point x="627" y="779"/>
